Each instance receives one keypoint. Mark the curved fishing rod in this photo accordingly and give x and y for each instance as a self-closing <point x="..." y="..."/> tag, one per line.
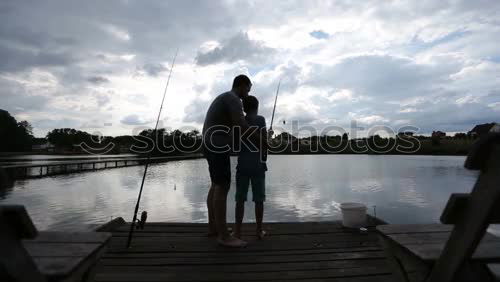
<point x="129" y="240"/>
<point x="274" y="108"/>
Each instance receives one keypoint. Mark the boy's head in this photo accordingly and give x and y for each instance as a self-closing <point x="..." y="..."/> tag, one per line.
<point x="250" y="104"/>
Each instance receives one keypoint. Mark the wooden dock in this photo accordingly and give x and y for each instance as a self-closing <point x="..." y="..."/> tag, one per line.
<point x="35" y="170"/>
<point x="308" y="251"/>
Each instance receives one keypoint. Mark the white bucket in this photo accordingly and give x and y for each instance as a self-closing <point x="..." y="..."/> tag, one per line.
<point x="353" y="215"/>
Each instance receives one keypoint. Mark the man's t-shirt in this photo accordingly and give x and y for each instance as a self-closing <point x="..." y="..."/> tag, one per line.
<point x="225" y="112"/>
<point x="250" y="161"/>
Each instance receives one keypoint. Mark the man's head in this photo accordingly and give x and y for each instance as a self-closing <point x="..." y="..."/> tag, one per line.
<point x="241" y="85"/>
<point x="250" y="104"/>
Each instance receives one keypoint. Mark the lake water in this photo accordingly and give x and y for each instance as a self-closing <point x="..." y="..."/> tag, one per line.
<point x="404" y="189"/>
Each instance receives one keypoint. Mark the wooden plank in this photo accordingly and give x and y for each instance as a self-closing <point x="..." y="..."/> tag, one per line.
<point x="370" y="278"/>
<point x="243" y="276"/>
<point x="142" y="254"/>
<point x="340" y="237"/>
<point x="252" y="267"/>
<point x="70" y="268"/>
<point x="494" y="269"/>
<point x="111" y="225"/>
<point x="212" y="247"/>
<point x="80" y="250"/>
<point x="424" y="238"/>
<point x="56" y="266"/>
<point x="306" y="228"/>
<point x="70" y="237"/>
<point x="253" y="246"/>
<point x="413" y="228"/>
<point x="243" y="259"/>
<point x="486" y="252"/>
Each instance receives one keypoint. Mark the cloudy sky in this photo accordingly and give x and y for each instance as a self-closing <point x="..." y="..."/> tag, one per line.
<point x="101" y="66"/>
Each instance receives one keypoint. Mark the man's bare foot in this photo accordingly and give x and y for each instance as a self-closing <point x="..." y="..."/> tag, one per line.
<point x="213" y="233"/>
<point x="236" y="234"/>
<point x="231" y="242"/>
<point x="261" y="234"/>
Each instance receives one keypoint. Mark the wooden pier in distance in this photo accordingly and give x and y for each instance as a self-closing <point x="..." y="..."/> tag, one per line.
<point x="306" y="251"/>
<point x="35" y="170"/>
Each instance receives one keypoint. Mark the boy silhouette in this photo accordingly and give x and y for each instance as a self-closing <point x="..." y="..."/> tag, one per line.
<point x="251" y="168"/>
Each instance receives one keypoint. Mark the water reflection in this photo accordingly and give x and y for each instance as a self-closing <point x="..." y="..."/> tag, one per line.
<point x="405" y="189"/>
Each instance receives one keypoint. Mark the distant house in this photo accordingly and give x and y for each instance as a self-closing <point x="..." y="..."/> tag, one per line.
<point x="480" y="129"/>
<point x="438" y="134"/>
<point x="43" y="147"/>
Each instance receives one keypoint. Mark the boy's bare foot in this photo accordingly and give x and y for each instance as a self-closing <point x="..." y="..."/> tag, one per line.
<point x="231" y="242"/>
<point x="261" y="234"/>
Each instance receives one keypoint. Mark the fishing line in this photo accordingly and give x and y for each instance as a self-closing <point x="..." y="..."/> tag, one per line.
<point x="129" y="240"/>
<point x="275" y="100"/>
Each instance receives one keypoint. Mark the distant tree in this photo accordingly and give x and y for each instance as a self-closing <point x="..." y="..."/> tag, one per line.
<point x="67" y="137"/>
<point x="15" y="136"/>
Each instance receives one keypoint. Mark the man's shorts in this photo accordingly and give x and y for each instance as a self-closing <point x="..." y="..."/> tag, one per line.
<point x="219" y="167"/>
<point x="258" y="187"/>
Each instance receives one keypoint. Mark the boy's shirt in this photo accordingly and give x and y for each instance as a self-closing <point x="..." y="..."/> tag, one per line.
<point x="253" y="163"/>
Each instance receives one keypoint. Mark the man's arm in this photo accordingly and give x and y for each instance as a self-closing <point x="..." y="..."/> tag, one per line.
<point x="236" y="113"/>
<point x="238" y="119"/>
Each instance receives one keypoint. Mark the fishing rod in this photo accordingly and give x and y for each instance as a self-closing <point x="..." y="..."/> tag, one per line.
<point x="274" y="108"/>
<point x="129" y="240"/>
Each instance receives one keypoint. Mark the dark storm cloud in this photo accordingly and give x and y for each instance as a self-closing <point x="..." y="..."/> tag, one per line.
<point x="238" y="47"/>
<point x="14" y="59"/>
<point x="97" y="79"/>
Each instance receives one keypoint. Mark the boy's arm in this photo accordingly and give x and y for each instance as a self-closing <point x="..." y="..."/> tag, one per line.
<point x="265" y="136"/>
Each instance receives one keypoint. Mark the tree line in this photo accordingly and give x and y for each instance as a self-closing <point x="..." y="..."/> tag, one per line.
<point x="18" y="137"/>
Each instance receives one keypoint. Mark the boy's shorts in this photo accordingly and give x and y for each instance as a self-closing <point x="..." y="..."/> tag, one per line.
<point x="258" y="187"/>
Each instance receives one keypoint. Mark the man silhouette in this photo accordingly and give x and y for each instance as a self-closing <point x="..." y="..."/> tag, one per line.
<point x="224" y="114"/>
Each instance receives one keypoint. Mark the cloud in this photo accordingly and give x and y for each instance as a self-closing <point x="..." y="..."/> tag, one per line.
<point x="97" y="79"/>
<point x="238" y="47"/>
<point x="134" y="119"/>
<point x="152" y="69"/>
<point x="15" y="59"/>
<point x="196" y="110"/>
<point x="383" y="75"/>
